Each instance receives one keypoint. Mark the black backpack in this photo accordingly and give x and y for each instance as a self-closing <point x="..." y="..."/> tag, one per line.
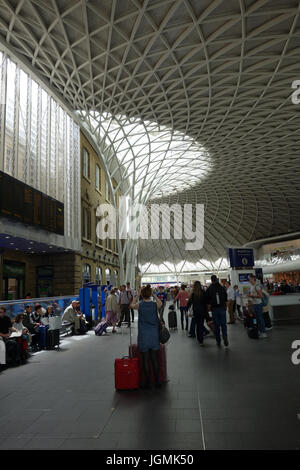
<point x="217" y="296"/>
<point x="253" y="333"/>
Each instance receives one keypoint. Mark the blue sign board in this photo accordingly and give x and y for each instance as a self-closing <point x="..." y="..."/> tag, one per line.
<point x="259" y="274"/>
<point x="241" y="257"/>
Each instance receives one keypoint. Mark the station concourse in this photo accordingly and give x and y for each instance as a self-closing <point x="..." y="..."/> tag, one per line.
<point x="149" y="143"/>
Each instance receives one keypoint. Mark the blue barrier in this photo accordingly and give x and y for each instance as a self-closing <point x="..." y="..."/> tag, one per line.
<point x="13" y="308"/>
<point x="89" y="296"/>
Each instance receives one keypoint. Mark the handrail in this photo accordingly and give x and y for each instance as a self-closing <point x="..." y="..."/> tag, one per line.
<point x="37" y="299"/>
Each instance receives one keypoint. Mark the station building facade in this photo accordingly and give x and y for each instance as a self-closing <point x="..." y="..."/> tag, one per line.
<point x="51" y="182"/>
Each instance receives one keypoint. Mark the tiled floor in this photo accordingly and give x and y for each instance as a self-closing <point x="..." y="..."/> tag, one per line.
<point x="244" y="398"/>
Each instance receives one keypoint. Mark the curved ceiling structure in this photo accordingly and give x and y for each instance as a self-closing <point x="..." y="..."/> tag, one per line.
<point x="214" y="75"/>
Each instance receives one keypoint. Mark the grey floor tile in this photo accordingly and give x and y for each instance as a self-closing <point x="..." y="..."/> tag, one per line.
<point x="188" y="425"/>
<point x="224" y="441"/>
<point x="108" y="440"/>
<point x="247" y="397"/>
<point x="80" y="444"/>
<point x="116" y="425"/>
<point x="44" y="443"/>
<point x="15" y="427"/>
<point x="11" y="443"/>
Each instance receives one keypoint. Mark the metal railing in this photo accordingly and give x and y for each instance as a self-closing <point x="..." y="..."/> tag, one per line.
<point x="59" y="304"/>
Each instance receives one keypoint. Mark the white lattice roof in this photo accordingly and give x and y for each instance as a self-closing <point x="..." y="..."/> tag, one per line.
<point x="213" y="76"/>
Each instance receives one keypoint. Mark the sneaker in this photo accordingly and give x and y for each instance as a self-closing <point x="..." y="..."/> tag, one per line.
<point x="201" y="344"/>
<point x="270" y="328"/>
<point x="219" y="344"/>
<point x="226" y="344"/>
<point x="192" y="336"/>
<point x="262" y="335"/>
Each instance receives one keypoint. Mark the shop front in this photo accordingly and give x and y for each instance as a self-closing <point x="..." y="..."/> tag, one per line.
<point x="13" y="280"/>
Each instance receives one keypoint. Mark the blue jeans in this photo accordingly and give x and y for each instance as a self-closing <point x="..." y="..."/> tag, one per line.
<point x="193" y="327"/>
<point x="183" y="311"/>
<point x="258" y="312"/>
<point x="219" y="319"/>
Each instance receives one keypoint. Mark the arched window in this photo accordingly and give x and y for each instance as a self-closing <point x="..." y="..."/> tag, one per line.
<point x="98" y="275"/>
<point x="108" y="275"/>
<point x="86" y="273"/>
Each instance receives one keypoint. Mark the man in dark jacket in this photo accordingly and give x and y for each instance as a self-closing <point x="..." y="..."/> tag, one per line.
<point x="216" y="298"/>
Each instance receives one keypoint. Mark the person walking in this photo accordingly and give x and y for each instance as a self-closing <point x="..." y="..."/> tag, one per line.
<point x="197" y="302"/>
<point x="266" y="311"/>
<point x="162" y="296"/>
<point x="125" y="299"/>
<point x="148" y="332"/>
<point x="111" y="309"/>
<point x="255" y="299"/>
<point x="230" y="302"/>
<point x="132" y="294"/>
<point x="216" y="298"/>
<point x="238" y="301"/>
<point x="183" y="298"/>
<point x="175" y="293"/>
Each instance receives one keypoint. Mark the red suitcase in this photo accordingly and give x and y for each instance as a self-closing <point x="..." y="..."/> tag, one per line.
<point x="162" y="360"/>
<point x="127" y="373"/>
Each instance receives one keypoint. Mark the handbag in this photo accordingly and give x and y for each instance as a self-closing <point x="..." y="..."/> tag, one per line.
<point x="164" y="334"/>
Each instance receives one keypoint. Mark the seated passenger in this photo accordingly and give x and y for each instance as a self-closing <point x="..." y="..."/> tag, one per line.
<point x="49" y="313"/>
<point x="18" y="325"/>
<point x="5" y="330"/>
<point x="36" y="316"/>
<point x="31" y="326"/>
<point x="82" y="320"/>
<point x="71" y="316"/>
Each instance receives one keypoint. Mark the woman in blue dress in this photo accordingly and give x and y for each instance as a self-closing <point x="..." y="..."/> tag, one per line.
<point x="148" y="332"/>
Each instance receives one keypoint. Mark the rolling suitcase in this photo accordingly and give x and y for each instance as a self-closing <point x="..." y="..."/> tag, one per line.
<point x="43" y="336"/>
<point x="101" y="328"/>
<point x="52" y="339"/>
<point x="127" y="373"/>
<point x="162" y="361"/>
<point x="172" y="319"/>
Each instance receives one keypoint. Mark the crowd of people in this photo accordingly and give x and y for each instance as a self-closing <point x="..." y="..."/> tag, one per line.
<point x="25" y="327"/>
<point x="203" y="310"/>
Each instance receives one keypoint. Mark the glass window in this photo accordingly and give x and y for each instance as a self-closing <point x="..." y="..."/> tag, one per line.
<point x="86" y="272"/>
<point x="107" y="192"/>
<point x="98" y="178"/>
<point x="86" y="163"/>
<point x="98" y="275"/>
<point x="41" y="141"/>
<point x="86" y="223"/>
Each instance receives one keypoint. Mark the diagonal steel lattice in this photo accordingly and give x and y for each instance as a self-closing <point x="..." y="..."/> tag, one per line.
<point x="188" y="100"/>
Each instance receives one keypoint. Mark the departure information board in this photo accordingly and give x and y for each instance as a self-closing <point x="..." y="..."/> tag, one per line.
<point x="19" y="201"/>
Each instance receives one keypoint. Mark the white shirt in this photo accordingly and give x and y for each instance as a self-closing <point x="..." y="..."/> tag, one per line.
<point x="254" y="290"/>
<point x="237" y="297"/>
<point x="230" y="293"/>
